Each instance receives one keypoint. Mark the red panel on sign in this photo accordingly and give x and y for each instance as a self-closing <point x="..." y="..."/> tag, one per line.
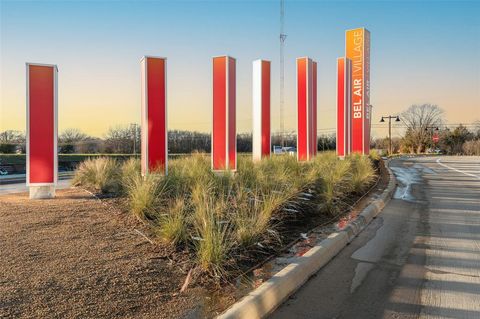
<point x="41" y="130"/>
<point x="232" y="137"/>
<point x="224" y="144"/>
<point x="157" y="115"/>
<point x="341" y="107"/>
<point x="313" y="149"/>
<point x="302" y="109"/>
<point x="265" y="108"/>
<point x="219" y="113"/>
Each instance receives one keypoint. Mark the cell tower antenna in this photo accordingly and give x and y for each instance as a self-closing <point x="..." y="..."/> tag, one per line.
<point x="283" y="37"/>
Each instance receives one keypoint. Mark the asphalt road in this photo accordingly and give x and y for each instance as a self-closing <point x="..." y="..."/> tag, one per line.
<point x="419" y="259"/>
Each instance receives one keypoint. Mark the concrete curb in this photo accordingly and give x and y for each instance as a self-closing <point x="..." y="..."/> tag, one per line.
<point x="271" y="294"/>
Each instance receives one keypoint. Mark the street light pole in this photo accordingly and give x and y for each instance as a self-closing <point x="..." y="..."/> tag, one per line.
<point x="390" y="117"/>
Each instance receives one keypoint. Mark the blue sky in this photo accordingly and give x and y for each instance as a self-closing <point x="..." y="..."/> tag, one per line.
<point x="421" y="51"/>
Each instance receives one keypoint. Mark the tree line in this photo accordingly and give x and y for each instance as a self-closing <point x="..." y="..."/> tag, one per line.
<point x="127" y="140"/>
<point x="421" y="123"/>
<point x="426" y="131"/>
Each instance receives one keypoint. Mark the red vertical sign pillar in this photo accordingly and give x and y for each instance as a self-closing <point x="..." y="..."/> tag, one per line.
<point x="261" y="109"/>
<point x="357" y="49"/>
<point x="344" y="70"/>
<point x="367" y="124"/>
<point x="154" y="158"/>
<point x="224" y="137"/>
<point x="42" y="105"/>
<point x="306" y="109"/>
<point x="314" y="109"/>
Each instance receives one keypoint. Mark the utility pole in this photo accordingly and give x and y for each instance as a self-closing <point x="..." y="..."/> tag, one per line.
<point x="134" y="129"/>
<point x="283" y="36"/>
<point x="397" y="119"/>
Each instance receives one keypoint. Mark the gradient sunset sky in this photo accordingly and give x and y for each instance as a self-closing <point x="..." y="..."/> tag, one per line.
<point x="421" y="52"/>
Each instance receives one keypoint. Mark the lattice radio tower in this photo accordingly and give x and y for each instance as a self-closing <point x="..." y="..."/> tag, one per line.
<point x="283" y="36"/>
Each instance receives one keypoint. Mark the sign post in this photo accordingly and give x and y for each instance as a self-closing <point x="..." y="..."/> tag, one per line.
<point x="154" y="158"/>
<point x="306" y="109"/>
<point x="224" y="136"/>
<point x="41" y="144"/>
<point x="261" y="109"/>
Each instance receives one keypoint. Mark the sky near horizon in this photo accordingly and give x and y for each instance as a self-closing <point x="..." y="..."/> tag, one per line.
<point x="421" y="52"/>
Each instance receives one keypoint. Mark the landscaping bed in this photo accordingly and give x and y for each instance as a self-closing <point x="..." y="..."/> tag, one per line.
<point x="229" y="225"/>
<point x="110" y="254"/>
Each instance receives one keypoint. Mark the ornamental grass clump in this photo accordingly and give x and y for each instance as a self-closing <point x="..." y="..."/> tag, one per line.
<point x="213" y="240"/>
<point x="252" y="216"/>
<point x="184" y="173"/>
<point x="146" y="194"/>
<point x="375" y="155"/>
<point x="282" y="170"/>
<point x="363" y="173"/>
<point x="100" y="174"/>
<point x="334" y="178"/>
<point x="261" y="190"/>
<point x="172" y="224"/>
<point x="130" y="171"/>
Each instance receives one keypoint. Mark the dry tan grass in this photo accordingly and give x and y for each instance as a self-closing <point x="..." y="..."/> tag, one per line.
<point x="218" y="214"/>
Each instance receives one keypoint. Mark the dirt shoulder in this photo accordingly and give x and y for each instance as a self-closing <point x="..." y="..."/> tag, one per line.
<point x="74" y="257"/>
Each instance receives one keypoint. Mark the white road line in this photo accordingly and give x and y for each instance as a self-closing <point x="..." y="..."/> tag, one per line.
<point x="457" y="170"/>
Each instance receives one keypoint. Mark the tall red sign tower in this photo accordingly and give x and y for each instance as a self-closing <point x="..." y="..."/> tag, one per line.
<point x="154" y="156"/>
<point x="42" y="132"/>
<point x="224" y="136"/>
<point x="306" y="108"/>
<point x="357" y="49"/>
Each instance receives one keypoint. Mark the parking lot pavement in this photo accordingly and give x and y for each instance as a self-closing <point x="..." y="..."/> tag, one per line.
<point x="420" y="258"/>
<point x="22" y="187"/>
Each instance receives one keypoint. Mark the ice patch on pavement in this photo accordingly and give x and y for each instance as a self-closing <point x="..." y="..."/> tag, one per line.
<point x="361" y="272"/>
<point x="424" y="169"/>
<point x="407" y="177"/>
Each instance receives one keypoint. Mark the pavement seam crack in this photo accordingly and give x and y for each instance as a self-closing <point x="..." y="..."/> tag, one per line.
<point x="441" y="272"/>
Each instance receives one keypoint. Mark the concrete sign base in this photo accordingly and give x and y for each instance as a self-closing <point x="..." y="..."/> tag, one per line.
<point x="42" y="192"/>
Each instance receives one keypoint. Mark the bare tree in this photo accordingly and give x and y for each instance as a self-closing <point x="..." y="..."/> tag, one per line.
<point x="476" y="129"/>
<point x="419" y="121"/>
<point x="72" y="135"/>
<point x="70" y="139"/>
<point x="119" y="140"/>
<point x="12" y="141"/>
<point x="12" y="137"/>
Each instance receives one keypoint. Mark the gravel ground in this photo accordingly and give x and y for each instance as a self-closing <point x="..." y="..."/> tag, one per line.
<point x="75" y="257"/>
<point x="78" y="257"/>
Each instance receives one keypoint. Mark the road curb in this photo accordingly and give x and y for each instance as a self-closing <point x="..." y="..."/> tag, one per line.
<point x="271" y="294"/>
